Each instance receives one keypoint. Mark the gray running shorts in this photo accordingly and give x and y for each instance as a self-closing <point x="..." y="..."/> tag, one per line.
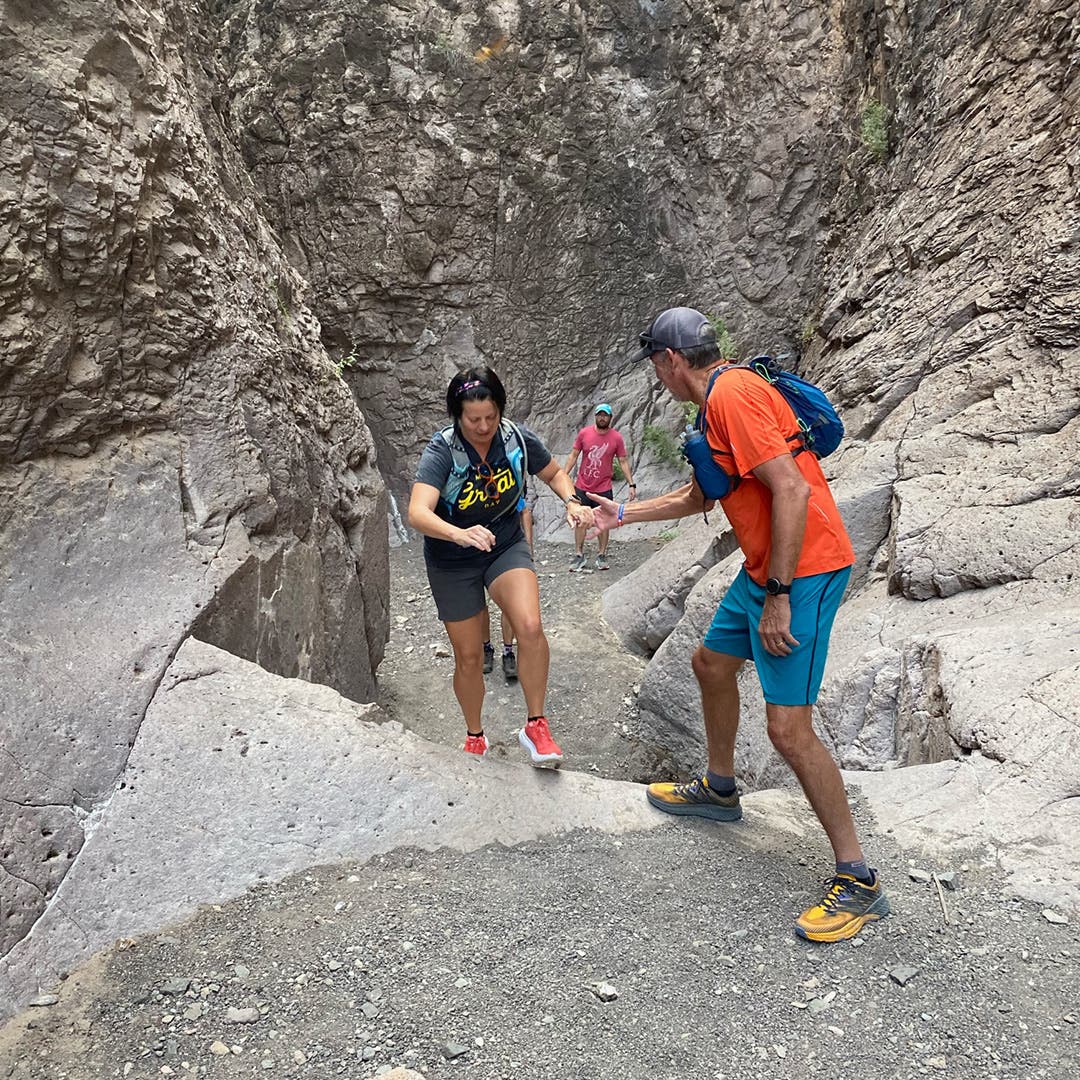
<point x="459" y="592"/>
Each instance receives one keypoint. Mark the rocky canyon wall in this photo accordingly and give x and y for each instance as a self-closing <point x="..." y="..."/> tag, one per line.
<point x="178" y="454"/>
<point x="527" y="183"/>
<point x="945" y="325"/>
<point x="217" y="220"/>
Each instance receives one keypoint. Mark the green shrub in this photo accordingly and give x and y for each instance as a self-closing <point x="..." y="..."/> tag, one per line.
<point x="661" y="444"/>
<point x="344" y="362"/>
<point x="874" y="130"/>
<point x="725" y="342"/>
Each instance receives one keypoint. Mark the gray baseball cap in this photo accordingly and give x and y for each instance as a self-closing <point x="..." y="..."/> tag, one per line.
<point x="677" y="328"/>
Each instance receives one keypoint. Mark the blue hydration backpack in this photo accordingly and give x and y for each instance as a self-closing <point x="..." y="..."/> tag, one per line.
<point x="820" y="428"/>
<point x="516" y="453"/>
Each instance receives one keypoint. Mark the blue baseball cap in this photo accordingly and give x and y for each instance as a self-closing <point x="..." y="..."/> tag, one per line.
<point x="604" y="408"/>
<point x="677" y="328"/>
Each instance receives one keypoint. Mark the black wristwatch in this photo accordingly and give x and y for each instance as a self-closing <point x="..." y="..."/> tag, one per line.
<point x="775" y="587"/>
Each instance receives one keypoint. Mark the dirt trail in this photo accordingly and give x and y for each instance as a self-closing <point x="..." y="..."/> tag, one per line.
<point x="591" y="689"/>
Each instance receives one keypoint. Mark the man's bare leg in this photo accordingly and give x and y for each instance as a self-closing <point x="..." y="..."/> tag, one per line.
<point x="716" y="675"/>
<point x="791" y="731"/>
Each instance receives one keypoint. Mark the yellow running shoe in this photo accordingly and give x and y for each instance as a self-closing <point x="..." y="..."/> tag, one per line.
<point x="847" y="907"/>
<point x="696" y="799"/>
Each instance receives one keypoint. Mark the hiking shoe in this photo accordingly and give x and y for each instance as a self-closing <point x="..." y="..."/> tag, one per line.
<point x="847" y="907"/>
<point x="695" y="799"/>
<point x="489" y="658"/>
<point x="601" y="563"/>
<point x="535" y="736"/>
<point x="476" y="744"/>
<point x="578" y="564"/>
<point x="509" y="666"/>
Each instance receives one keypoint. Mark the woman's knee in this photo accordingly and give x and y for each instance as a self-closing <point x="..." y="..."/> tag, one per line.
<point x="469" y="661"/>
<point x="530" y="635"/>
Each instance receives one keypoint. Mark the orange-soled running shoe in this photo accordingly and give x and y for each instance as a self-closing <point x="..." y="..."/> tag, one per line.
<point x="535" y="736"/>
<point x="847" y="907"/>
<point x="476" y="744"/>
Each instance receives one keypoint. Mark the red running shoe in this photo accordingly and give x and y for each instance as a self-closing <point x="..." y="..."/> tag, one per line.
<point x="476" y="744"/>
<point x="535" y="736"/>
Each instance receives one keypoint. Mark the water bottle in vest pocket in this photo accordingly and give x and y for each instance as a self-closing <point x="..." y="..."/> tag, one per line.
<point x="714" y="482"/>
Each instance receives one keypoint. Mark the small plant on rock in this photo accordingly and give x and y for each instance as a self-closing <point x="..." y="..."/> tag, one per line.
<point x="661" y="444"/>
<point x="344" y="362"/>
<point x="874" y="129"/>
<point x="724" y="341"/>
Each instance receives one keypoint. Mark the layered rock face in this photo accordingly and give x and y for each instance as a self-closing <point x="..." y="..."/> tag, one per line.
<point x="527" y="183"/>
<point x="178" y="454"/>
<point x="947" y="332"/>
<point x="208" y="217"/>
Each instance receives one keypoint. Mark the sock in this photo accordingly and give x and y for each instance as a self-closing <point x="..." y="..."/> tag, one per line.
<point x="488" y="647"/>
<point x="858" y="870"/>
<point x="720" y="785"/>
<point x="475" y="734"/>
<point x="532" y="718"/>
<point x="508" y="650"/>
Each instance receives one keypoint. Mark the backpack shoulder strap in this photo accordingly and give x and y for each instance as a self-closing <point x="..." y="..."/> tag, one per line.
<point x="511" y="430"/>
<point x="459" y="464"/>
<point x="700" y="422"/>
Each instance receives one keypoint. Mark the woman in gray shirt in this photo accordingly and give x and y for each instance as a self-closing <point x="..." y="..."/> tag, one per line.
<point x="464" y="500"/>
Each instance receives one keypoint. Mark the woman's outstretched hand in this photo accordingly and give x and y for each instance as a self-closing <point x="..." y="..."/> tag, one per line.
<point x="478" y="537"/>
<point x="576" y="515"/>
<point x="604" y="517"/>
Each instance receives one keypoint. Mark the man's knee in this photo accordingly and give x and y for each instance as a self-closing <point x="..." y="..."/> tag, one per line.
<point x="714" y="667"/>
<point x="790" y="729"/>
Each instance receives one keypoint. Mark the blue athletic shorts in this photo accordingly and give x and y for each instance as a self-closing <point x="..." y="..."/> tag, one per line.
<point x="794" y="679"/>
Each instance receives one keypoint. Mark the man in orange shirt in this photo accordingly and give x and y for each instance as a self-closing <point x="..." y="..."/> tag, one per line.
<point x="778" y="612"/>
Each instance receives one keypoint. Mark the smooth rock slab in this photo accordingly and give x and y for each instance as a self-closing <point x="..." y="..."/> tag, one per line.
<point x="239" y="776"/>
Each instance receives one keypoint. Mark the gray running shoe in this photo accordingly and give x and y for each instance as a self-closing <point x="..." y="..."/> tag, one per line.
<point x="489" y="658"/>
<point x="601" y="563"/>
<point x="578" y="564"/>
<point x="509" y="666"/>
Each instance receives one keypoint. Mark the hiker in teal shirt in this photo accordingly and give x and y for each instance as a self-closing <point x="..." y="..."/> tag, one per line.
<point x="470" y="480"/>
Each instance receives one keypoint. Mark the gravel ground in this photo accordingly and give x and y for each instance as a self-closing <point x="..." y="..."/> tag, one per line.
<point x="495" y="964"/>
<point x="660" y="955"/>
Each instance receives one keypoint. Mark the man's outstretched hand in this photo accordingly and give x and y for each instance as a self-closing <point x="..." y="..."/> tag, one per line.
<point x="605" y="516"/>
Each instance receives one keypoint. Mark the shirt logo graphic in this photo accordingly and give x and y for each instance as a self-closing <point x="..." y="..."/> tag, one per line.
<point x="476" y="491"/>
<point x="592" y="464"/>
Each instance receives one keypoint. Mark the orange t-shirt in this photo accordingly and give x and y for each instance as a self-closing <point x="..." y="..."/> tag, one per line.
<point x="747" y="422"/>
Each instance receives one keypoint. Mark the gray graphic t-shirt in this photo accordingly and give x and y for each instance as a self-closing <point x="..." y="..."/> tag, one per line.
<point x="481" y="501"/>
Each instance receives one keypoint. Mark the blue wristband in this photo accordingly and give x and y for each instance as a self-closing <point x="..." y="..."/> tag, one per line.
<point x="622" y="507"/>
